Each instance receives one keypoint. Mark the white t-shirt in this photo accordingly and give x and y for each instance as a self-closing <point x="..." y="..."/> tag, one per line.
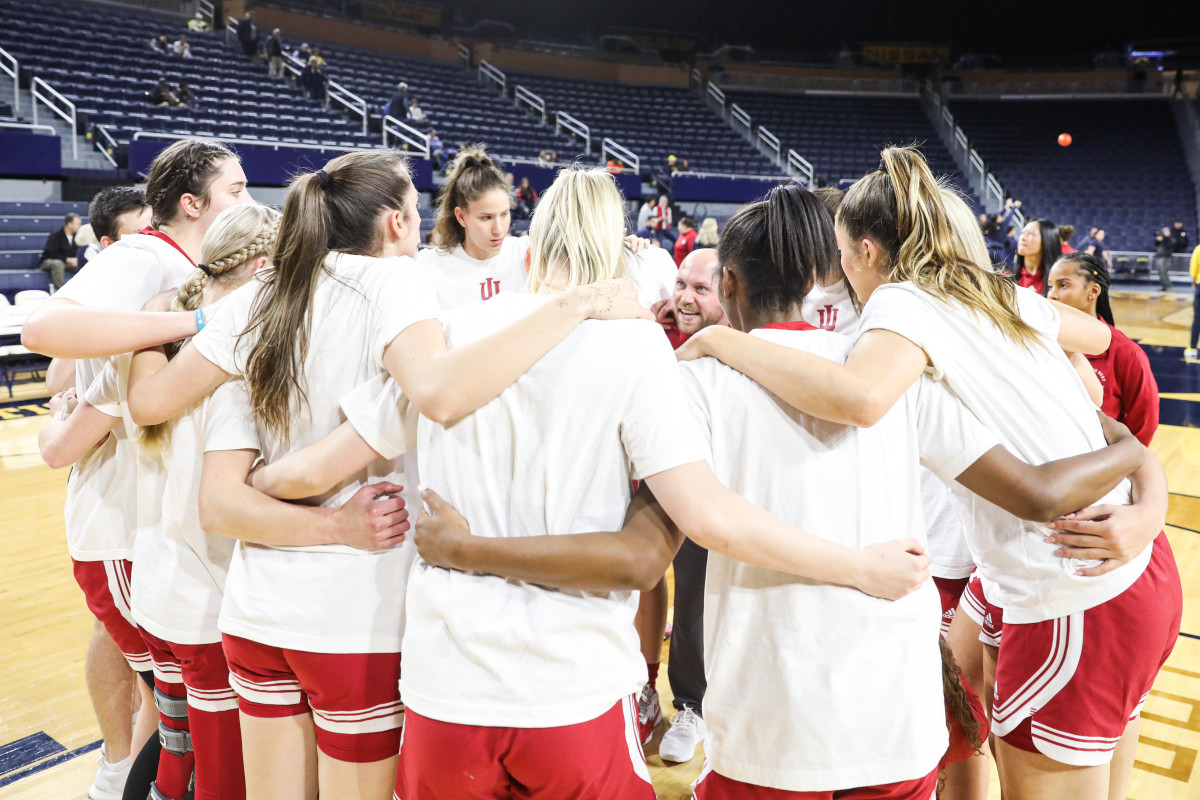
<point x="327" y="599"/>
<point x="111" y="497"/>
<point x="1035" y="402"/>
<point x="554" y="454"/>
<point x="653" y="272"/>
<point x="830" y="308"/>
<point x="811" y="686"/>
<point x="460" y="279"/>
<point x="178" y="586"/>
<point x="946" y="521"/>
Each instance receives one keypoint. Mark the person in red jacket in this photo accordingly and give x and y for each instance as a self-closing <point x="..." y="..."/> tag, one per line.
<point x="686" y="241"/>
<point x="1081" y="280"/>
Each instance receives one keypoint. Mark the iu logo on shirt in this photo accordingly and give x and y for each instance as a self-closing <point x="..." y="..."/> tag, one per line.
<point x="489" y="289"/>
<point x="828" y="318"/>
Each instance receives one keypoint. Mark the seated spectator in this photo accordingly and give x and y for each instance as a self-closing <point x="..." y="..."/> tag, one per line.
<point x="247" y="33"/>
<point x="1179" y="237"/>
<point x="548" y="156"/>
<point x="707" y="235"/>
<point x="415" y="113"/>
<point x="186" y="97"/>
<point x="672" y="163"/>
<point x="302" y="53"/>
<point x="160" y="45"/>
<point x="399" y="102"/>
<point x="686" y="241"/>
<point x="275" y="54"/>
<point x="312" y="78"/>
<point x="1065" y="232"/>
<point x="162" y="95"/>
<point x="694" y="304"/>
<point x="644" y="214"/>
<point x="59" y="255"/>
<point x="615" y="166"/>
<point x="682" y="166"/>
<point x="87" y="245"/>
<point x="181" y="47"/>
<point x="437" y="151"/>
<point x="527" y="197"/>
<point x="198" y="24"/>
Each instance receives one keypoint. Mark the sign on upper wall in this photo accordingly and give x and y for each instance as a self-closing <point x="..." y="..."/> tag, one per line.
<point x="907" y="53"/>
<point x="415" y="14"/>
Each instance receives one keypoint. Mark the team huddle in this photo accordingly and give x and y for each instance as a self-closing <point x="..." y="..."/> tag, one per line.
<point x="302" y="450"/>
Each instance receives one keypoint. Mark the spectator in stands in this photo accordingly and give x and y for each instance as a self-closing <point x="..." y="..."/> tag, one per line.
<point x="316" y="53"/>
<point x="1010" y="244"/>
<point x="548" y="156"/>
<point x="58" y="256"/>
<point x="512" y="191"/>
<point x="86" y="244"/>
<point x="662" y="213"/>
<point x="186" y="97"/>
<point x="671" y="162"/>
<point x="437" y="150"/>
<point x="1065" y="232"/>
<point x="615" y="166"/>
<point x="275" y="54"/>
<point x="1179" y="237"/>
<point x="527" y="197"/>
<point x="247" y="33"/>
<point x="643" y="220"/>
<point x="1163" y="248"/>
<point x="682" y="166"/>
<point x="708" y="235"/>
<point x="162" y="95"/>
<point x="399" y="103"/>
<point x="997" y="241"/>
<point x="302" y="53"/>
<point x="1096" y="247"/>
<point x="312" y="78"/>
<point x="198" y="24"/>
<point x="1190" y="352"/>
<point x="686" y="241"/>
<point x="181" y="47"/>
<point x="415" y="113"/>
<point x="1037" y="250"/>
<point x="160" y="45"/>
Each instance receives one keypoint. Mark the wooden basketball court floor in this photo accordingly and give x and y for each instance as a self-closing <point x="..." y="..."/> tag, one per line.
<point x="49" y="737"/>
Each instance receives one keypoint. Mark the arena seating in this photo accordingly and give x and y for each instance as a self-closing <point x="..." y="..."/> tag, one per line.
<point x="841" y="135"/>
<point x="1125" y="170"/>
<point x="652" y="121"/>
<point x="24" y="227"/>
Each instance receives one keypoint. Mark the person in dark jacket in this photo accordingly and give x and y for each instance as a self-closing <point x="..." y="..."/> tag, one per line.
<point x="275" y="54"/>
<point x="59" y="254"/>
<point x="1164" y="246"/>
<point x="247" y="33"/>
<point x="313" y="79"/>
<point x="1179" y="238"/>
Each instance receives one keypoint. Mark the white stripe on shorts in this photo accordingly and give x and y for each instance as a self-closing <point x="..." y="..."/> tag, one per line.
<point x="212" y="700"/>
<point x="267" y="693"/>
<point x="633" y="738"/>
<point x="118" y="587"/>
<point x="383" y="717"/>
<point x="1070" y="748"/>
<point x="1041" y="687"/>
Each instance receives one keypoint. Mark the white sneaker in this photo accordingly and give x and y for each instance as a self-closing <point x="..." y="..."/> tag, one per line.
<point x="1190" y="354"/>
<point x="679" y="743"/>
<point x="649" y="712"/>
<point x="110" y="779"/>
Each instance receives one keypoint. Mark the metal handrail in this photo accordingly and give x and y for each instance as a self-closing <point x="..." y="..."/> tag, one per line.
<point x="523" y="95"/>
<point x="976" y="162"/>
<point x="715" y="93"/>
<point x="993" y="187"/>
<point x="230" y="28"/>
<point x="738" y="114"/>
<point x="464" y="54"/>
<point x="801" y="165"/>
<point x="47" y="94"/>
<point x="10" y="66"/>
<point x="250" y="142"/>
<point x="209" y="10"/>
<point x="630" y="158"/>
<point x="407" y="134"/>
<point x="770" y="141"/>
<point x="488" y="72"/>
<point x="696" y="79"/>
<point x="101" y="131"/>
<point x="564" y="120"/>
<point x="28" y="126"/>
<point x="738" y="175"/>
<point x="334" y="91"/>
<point x="293" y="64"/>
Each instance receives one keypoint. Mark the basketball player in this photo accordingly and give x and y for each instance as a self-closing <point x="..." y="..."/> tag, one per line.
<point x="892" y="226"/>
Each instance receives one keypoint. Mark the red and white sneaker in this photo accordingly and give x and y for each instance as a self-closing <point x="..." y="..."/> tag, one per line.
<point x="649" y="712"/>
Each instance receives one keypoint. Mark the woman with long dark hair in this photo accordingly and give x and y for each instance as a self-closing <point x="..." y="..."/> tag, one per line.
<point x="1038" y="247"/>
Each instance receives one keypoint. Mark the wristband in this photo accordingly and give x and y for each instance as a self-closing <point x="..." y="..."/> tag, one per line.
<point x="199" y="320"/>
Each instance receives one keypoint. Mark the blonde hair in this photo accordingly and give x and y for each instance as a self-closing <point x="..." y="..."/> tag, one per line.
<point x="901" y="208"/>
<point x="578" y="229"/>
<point x="968" y="237"/>
<point x="85" y="236"/>
<point x="707" y="235"/>
<point x="237" y="236"/>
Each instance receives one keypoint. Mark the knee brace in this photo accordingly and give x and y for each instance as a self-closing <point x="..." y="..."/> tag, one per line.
<point x="176" y="742"/>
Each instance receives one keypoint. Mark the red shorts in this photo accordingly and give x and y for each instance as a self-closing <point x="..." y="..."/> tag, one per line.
<point x="200" y="671"/>
<point x="989" y="617"/>
<point x="950" y="590"/>
<point x="354" y="698"/>
<point x="713" y="786"/>
<point x="105" y="586"/>
<point x="1068" y="687"/>
<point x="598" y="759"/>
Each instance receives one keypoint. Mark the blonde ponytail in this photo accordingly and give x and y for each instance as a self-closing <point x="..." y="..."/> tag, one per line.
<point x="577" y="235"/>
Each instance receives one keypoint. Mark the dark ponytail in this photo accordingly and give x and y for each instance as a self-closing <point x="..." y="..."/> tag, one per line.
<point x="472" y="175"/>
<point x="780" y="246"/>
<point x="337" y="208"/>
<point x="1094" y="271"/>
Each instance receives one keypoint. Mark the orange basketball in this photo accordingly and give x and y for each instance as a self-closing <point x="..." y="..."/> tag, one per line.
<point x="1064" y="140"/>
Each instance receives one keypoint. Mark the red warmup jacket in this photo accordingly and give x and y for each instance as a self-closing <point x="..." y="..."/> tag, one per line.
<point x="1130" y="391"/>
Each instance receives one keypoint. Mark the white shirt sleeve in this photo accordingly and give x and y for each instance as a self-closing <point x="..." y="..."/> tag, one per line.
<point x="218" y="342"/>
<point x="382" y="416"/>
<point x="104" y="393"/>
<point x="1040" y="314"/>
<point x="119" y="278"/>
<point x="949" y="436"/>
<point x="228" y="420"/>
<point x="404" y="296"/>
<point x="657" y="430"/>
